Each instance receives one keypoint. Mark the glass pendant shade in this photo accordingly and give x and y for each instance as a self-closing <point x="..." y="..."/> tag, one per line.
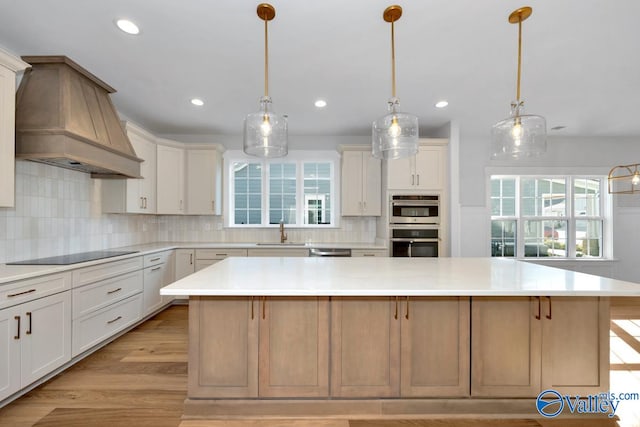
<point x="395" y="135"/>
<point x="519" y="136"/>
<point x="265" y="132"/>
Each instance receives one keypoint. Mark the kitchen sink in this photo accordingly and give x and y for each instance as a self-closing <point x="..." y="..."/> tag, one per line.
<point x="281" y="244"/>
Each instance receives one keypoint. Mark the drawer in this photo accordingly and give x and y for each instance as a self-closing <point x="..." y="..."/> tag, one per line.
<point x="83" y="276"/>
<point x="277" y="252"/>
<point x="370" y="252"/>
<point x="156" y="258"/>
<point x="105" y="292"/>
<point x="92" y="329"/>
<point x="202" y="263"/>
<point x="26" y="290"/>
<point x="219" y="253"/>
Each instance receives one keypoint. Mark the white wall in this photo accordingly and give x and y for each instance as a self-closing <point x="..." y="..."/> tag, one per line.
<point x="571" y="155"/>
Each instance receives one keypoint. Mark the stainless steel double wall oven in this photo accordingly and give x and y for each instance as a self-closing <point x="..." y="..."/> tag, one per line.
<point x="414" y="225"/>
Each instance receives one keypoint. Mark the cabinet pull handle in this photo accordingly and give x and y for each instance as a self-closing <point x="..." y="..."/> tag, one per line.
<point x="190" y="259"/>
<point x="17" y="337"/>
<point x="213" y="205"/>
<point x="156" y="269"/>
<point x="368" y="254"/>
<point x="180" y="204"/>
<point x="154" y="259"/>
<point x="29" y="330"/>
<point x="264" y="307"/>
<point x="114" y="291"/>
<point x="413" y="179"/>
<point x="538" y="315"/>
<point x="365" y="205"/>
<point x="114" y="320"/>
<point x="141" y="203"/>
<point x="21" y="293"/>
<point x="145" y="203"/>
<point x="222" y="254"/>
<point x="395" y="316"/>
<point x="406" y="316"/>
<point x="418" y="183"/>
<point x="251" y="308"/>
<point x="548" y="316"/>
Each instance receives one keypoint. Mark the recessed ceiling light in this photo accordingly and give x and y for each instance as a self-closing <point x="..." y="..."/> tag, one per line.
<point x="197" y="101"/>
<point x="128" y="26"/>
<point x="441" y="104"/>
<point x="320" y="103"/>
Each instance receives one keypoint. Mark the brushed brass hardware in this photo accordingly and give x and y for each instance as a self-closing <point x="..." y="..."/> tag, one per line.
<point x="395" y="316"/>
<point x="283" y="235"/>
<point x="21" y="293"/>
<point x="548" y="316"/>
<point x="114" y="320"/>
<point x="368" y="254"/>
<point x="516" y="17"/>
<point x="17" y="337"/>
<point x="627" y="178"/>
<point x="154" y="260"/>
<point x="406" y="316"/>
<point x="190" y="259"/>
<point x="114" y="291"/>
<point x="538" y="315"/>
<point x="29" y="329"/>
<point x="264" y="307"/>
<point x="266" y="12"/>
<point x="251" y="308"/>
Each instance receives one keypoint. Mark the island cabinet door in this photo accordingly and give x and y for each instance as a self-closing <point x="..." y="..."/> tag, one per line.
<point x="294" y="347"/>
<point x="505" y="346"/>
<point x="435" y="347"/>
<point x="223" y="347"/>
<point x="365" y="347"/>
<point x="575" y="344"/>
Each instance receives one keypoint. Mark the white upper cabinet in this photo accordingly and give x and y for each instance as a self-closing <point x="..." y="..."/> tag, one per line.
<point x="361" y="184"/>
<point x="170" y="180"/>
<point x="134" y="195"/>
<point x="204" y="182"/>
<point x="424" y="171"/>
<point x="9" y="65"/>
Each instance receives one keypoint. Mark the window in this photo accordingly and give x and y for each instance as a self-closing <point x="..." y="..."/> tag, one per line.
<point x="560" y="217"/>
<point x="294" y="190"/>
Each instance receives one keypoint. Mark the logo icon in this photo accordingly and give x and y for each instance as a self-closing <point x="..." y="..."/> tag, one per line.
<point x="549" y="403"/>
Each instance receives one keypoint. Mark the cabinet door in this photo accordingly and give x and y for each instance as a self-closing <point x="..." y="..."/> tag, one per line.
<point x="575" y="344"/>
<point x="372" y="185"/>
<point x="401" y="174"/>
<point x="430" y="164"/>
<point x="351" y="203"/>
<point x="223" y="347"/>
<point x="147" y="185"/>
<point x="435" y="347"/>
<point x="9" y="352"/>
<point x="185" y="263"/>
<point x="170" y="180"/>
<point x="365" y="347"/>
<point x="153" y="281"/>
<point x="7" y="137"/>
<point x="505" y="344"/>
<point x="203" y="182"/>
<point x="45" y="336"/>
<point x="294" y="347"/>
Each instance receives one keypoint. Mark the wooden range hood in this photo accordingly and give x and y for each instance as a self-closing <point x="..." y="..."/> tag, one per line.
<point x="65" y="117"/>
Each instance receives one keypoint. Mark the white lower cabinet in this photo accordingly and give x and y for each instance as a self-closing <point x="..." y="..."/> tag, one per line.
<point x="185" y="263"/>
<point x="98" y="326"/>
<point x="207" y="257"/>
<point x="158" y="272"/>
<point x="36" y="339"/>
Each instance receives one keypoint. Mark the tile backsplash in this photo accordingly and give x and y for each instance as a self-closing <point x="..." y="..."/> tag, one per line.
<point x="58" y="211"/>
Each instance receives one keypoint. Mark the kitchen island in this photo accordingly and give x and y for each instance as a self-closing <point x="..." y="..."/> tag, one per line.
<point x="391" y="336"/>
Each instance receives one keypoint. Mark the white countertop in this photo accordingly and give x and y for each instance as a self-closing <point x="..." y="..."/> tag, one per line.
<point x="392" y="277"/>
<point x="11" y="273"/>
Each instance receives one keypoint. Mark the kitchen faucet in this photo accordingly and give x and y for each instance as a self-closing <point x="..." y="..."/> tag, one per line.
<point x="283" y="236"/>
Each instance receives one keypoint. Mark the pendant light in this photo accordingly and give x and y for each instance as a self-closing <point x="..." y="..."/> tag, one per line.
<point x="624" y="179"/>
<point x="519" y="135"/>
<point x="395" y="135"/>
<point x="265" y="132"/>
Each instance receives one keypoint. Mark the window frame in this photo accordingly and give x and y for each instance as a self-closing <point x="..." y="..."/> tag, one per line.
<point x="297" y="157"/>
<point x="604" y="209"/>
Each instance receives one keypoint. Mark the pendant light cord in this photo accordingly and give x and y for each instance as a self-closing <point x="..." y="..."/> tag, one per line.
<point x="393" y="61"/>
<point x="519" y="59"/>
<point x="266" y="58"/>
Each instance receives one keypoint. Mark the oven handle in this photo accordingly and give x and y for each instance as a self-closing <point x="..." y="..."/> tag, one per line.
<point x="414" y="203"/>
<point x="429" y="226"/>
<point x="407" y="239"/>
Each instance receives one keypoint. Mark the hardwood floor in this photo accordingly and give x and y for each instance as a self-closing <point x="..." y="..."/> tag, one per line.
<point x="141" y="380"/>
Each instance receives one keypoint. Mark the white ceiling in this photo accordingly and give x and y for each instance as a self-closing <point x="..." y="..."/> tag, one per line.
<point x="581" y="65"/>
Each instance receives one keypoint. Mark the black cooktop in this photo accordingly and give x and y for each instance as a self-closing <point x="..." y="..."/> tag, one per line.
<point x="73" y="258"/>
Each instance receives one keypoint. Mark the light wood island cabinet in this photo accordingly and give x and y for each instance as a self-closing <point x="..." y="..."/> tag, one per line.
<point x="522" y="345"/>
